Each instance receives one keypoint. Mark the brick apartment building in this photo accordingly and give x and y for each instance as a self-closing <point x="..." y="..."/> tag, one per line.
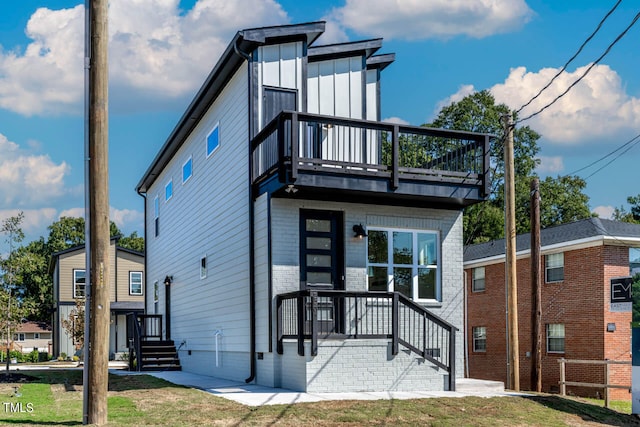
<point x="579" y="320"/>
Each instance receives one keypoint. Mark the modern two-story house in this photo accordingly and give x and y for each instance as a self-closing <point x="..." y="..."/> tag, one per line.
<point x="68" y="269"/>
<point x="585" y="306"/>
<point x="295" y="240"/>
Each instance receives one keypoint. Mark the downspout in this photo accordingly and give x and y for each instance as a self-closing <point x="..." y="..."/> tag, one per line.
<point x="466" y="324"/>
<point x="252" y="284"/>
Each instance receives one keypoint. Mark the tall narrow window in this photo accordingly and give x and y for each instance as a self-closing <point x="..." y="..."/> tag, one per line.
<point x="480" y="338"/>
<point x="404" y="261"/>
<point x="203" y="267"/>
<point x="213" y="139"/>
<point x="554" y="268"/>
<point x="555" y="338"/>
<point x="135" y="282"/>
<point x="156" y="215"/>
<point x="478" y="279"/>
<point x="168" y="190"/>
<point x="79" y="281"/>
<point x="187" y="170"/>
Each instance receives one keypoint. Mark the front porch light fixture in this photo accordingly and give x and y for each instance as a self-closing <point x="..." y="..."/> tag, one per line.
<point x="291" y="189"/>
<point x="358" y="229"/>
<point x="168" y="280"/>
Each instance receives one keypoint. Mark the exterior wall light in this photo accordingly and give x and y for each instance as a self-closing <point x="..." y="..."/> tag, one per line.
<point x="168" y="280"/>
<point x="358" y="229"/>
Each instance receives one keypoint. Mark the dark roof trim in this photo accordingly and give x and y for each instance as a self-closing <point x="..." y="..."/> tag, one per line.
<point x="341" y="50"/>
<point x="380" y="61"/>
<point x="622" y="233"/>
<point x="245" y="41"/>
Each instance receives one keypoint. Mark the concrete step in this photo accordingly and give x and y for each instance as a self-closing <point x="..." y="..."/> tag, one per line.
<point x="471" y="385"/>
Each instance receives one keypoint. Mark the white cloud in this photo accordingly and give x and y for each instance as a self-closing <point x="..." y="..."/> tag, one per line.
<point x="605" y="212"/>
<point x="34" y="219"/>
<point x="550" y="165"/>
<point x="599" y="98"/>
<point x="420" y="19"/>
<point x="463" y="91"/>
<point x="72" y="213"/>
<point x="396" y="120"/>
<point x="127" y="218"/>
<point x="27" y="179"/>
<point x="157" y="51"/>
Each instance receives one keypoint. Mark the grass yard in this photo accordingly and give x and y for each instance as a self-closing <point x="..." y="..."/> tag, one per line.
<point x="54" y="397"/>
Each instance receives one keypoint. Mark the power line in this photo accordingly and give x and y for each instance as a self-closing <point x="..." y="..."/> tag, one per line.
<point x="635" y="19"/>
<point x="607" y="155"/>
<point x="572" y="58"/>
<point x="615" y="158"/>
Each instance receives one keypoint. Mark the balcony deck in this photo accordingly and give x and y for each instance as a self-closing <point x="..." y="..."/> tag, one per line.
<point x="330" y="158"/>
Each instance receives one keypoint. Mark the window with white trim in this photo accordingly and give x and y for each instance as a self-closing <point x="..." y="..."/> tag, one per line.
<point x="168" y="190"/>
<point x="155" y="292"/>
<point x="19" y="337"/>
<point x="203" y="267"/>
<point x="555" y="338"/>
<point x="79" y="281"/>
<point x="135" y="283"/>
<point x="477" y="284"/>
<point x="187" y="170"/>
<point x="213" y="139"/>
<point x="480" y="339"/>
<point x="554" y="267"/>
<point x="404" y="261"/>
<point x="36" y="335"/>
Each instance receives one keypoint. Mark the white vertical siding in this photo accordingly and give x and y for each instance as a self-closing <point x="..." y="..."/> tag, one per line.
<point x="208" y="215"/>
<point x="280" y="66"/>
<point x="335" y="87"/>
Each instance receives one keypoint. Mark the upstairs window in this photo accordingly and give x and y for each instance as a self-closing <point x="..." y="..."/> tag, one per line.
<point x="79" y="281"/>
<point x="168" y="190"/>
<point x="554" y="268"/>
<point x="478" y="280"/>
<point x="156" y="215"/>
<point x="135" y="283"/>
<point x="203" y="267"/>
<point x="404" y="261"/>
<point x="187" y="170"/>
<point x="213" y="139"/>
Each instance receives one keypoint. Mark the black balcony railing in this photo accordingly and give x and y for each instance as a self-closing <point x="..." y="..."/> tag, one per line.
<point x="296" y="142"/>
<point x="141" y="327"/>
<point x="312" y="315"/>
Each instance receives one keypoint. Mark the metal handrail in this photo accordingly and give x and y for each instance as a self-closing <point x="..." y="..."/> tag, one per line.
<point x="451" y="155"/>
<point x="313" y="314"/>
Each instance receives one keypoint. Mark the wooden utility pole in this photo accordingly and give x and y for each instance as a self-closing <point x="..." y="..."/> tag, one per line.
<point x="510" y="264"/>
<point x="98" y="364"/>
<point x="536" y="291"/>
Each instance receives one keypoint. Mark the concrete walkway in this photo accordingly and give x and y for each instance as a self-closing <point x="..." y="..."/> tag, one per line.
<point x="256" y="395"/>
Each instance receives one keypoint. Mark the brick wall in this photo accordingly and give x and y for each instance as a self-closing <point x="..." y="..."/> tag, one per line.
<point x="580" y="302"/>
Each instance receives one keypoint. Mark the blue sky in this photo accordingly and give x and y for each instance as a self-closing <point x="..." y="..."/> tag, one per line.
<point x="161" y="51"/>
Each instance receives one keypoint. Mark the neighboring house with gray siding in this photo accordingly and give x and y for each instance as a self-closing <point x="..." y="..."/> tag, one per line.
<point x="295" y="240"/>
<point x="127" y="289"/>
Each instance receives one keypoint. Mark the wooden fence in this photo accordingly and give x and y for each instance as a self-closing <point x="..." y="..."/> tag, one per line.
<point x="564" y="383"/>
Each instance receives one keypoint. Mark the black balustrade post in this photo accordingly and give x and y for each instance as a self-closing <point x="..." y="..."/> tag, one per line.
<point x="314" y="323"/>
<point x="394" y="324"/>
<point x="280" y="139"/>
<point x="301" y="322"/>
<point x="279" y="321"/>
<point x="452" y="359"/>
<point x="294" y="146"/>
<point x="395" y="156"/>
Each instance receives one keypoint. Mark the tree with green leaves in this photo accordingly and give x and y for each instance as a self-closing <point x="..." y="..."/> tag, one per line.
<point x="633" y="215"/>
<point x="13" y="307"/>
<point x="562" y="199"/>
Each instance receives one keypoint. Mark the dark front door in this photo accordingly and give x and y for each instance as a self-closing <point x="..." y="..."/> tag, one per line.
<point x="276" y="100"/>
<point x="322" y="263"/>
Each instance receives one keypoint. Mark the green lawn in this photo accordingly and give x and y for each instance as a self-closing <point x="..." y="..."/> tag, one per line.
<point x="55" y="398"/>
